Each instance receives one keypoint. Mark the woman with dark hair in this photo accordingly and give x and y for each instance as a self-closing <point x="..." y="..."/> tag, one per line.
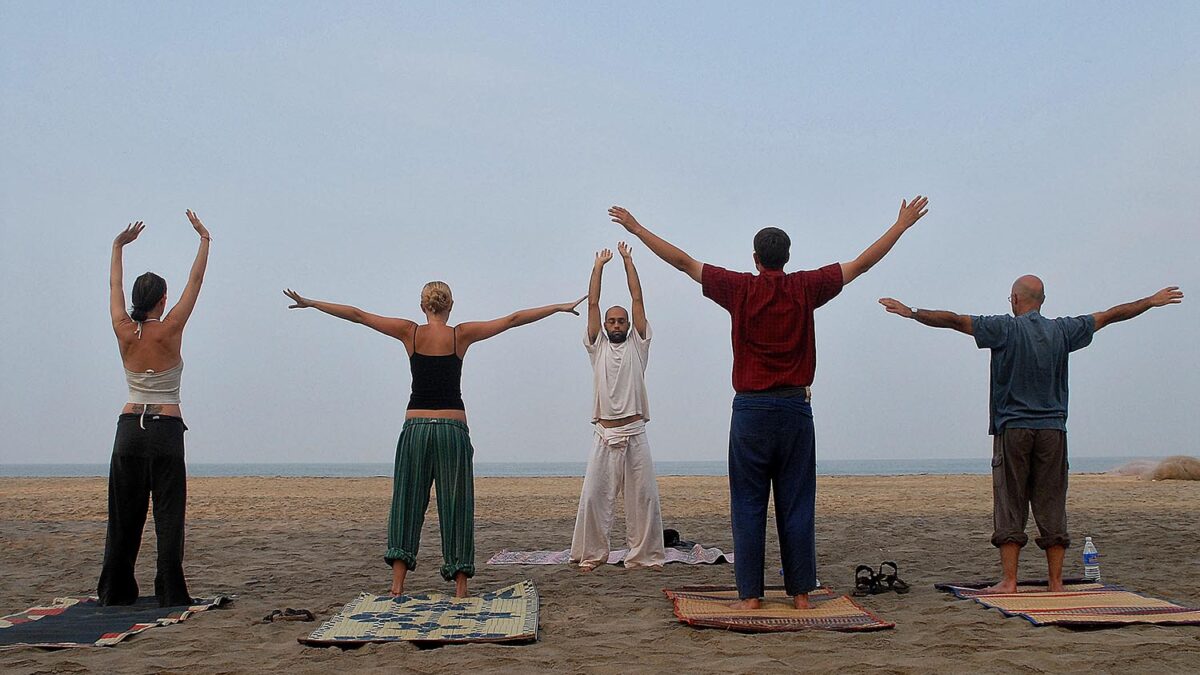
<point x="434" y="445"/>
<point x="147" y="456"/>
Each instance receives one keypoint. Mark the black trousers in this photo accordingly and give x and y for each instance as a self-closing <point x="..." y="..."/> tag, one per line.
<point x="145" y="462"/>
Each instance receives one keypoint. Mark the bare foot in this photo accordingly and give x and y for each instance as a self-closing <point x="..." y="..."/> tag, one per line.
<point x="399" y="571"/>
<point x="1005" y="586"/>
<point x="801" y="601"/>
<point x="1056" y="587"/>
<point x="748" y="603"/>
<point x="585" y="568"/>
<point x="460" y="585"/>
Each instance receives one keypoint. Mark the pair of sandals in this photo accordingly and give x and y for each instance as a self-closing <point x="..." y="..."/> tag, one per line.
<point x="869" y="582"/>
<point x="289" y="614"/>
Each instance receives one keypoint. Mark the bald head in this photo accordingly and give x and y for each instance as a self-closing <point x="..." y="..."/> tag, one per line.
<point x="1028" y="293"/>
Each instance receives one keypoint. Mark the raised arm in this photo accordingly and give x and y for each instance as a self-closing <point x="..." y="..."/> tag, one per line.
<point x="401" y="329"/>
<point x="909" y="214"/>
<point x="930" y="317"/>
<point x="660" y="247"/>
<point x="635" y="289"/>
<point x="116" y="274"/>
<point x="593" y="296"/>
<point x="476" y="331"/>
<point x="1171" y="295"/>
<point x="182" y="311"/>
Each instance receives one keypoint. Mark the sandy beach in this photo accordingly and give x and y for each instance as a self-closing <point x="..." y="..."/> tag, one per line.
<point x="316" y="542"/>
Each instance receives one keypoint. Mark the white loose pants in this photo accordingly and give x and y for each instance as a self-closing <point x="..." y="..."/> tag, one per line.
<point x="620" y="460"/>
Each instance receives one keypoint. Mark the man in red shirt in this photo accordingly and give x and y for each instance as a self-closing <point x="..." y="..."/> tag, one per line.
<point x="774" y="358"/>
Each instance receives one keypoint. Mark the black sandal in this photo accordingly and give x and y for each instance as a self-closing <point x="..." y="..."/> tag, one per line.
<point x="893" y="580"/>
<point x="289" y="614"/>
<point x="864" y="584"/>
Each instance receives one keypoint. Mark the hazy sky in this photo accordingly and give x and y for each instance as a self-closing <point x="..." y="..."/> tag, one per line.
<point x="354" y="151"/>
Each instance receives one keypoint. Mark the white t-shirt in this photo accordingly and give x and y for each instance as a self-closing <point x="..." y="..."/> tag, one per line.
<point x="618" y="375"/>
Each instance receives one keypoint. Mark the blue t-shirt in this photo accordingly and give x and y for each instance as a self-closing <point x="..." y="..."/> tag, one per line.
<point x="1029" y="366"/>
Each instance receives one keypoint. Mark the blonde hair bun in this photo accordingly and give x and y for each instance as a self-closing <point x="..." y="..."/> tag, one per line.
<point x="436" y="297"/>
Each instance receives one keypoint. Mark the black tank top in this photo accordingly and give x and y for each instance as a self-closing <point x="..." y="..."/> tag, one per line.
<point x="436" y="380"/>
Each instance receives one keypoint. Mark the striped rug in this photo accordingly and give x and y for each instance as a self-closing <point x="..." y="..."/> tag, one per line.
<point x="1083" y="604"/>
<point x="80" y="622"/>
<point x="507" y="615"/>
<point x="709" y="606"/>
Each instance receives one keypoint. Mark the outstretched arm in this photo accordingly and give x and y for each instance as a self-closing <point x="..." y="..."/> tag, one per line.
<point x="930" y="317"/>
<point x="909" y="214"/>
<point x="476" y="331"/>
<point x="672" y="255"/>
<point x="401" y="329"/>
<point x="593" y="296"/>
<point x="182" y="310"/>
<point x="1171" y="295"/>
<point x="116" y="274"/>
<point x="635" y="289"/>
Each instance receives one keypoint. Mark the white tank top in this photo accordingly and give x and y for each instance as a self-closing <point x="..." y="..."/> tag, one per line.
<point x="155" y="388"/>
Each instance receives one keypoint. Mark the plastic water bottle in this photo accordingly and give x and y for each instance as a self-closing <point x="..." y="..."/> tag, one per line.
<point x="1091" y="561"/>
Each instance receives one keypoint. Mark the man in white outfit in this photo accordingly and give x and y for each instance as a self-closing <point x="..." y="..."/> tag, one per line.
<point x="620" y="458"/>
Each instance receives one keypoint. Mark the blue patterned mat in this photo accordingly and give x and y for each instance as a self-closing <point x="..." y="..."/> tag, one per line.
<point x="507" y="615"/>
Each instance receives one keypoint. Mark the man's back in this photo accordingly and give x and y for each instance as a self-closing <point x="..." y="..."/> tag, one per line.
<point x="1029" y="366"/>
<point x="774" y="344"/>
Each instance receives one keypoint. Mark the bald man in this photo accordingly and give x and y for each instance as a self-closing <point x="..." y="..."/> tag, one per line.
<point x="620" y="459"/>
<point x="1029" y="412"/>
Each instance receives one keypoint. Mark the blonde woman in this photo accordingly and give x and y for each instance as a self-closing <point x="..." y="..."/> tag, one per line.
<point x="434" y="445"/>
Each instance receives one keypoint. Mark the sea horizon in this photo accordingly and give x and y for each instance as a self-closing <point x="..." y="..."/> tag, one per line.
<point x="825" y="467"/>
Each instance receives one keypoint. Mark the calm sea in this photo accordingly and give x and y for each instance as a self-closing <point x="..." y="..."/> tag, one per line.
<point x="830" y="467"/>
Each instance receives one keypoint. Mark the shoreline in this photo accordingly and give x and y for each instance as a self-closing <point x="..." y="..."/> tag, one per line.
<point x="979" y="466"/>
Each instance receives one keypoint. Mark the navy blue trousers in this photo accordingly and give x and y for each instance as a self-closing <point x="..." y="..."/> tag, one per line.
<point x="771" y="445"/>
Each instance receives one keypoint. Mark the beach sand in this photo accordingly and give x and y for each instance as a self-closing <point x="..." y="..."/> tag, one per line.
<point x="316" y="542"/>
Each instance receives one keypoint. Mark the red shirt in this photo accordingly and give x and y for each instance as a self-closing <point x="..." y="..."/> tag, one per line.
<point x="774" y="344"/>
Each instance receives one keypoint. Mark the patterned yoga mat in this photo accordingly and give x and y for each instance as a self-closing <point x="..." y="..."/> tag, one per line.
<point x="80" y="622"/>
<point x="697" y="555"/>
<point x="507" y="615"/>
<point x="709" y="606"/>
<point x="1083" y="604"/>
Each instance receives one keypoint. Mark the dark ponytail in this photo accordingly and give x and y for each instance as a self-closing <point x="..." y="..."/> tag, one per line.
<point x="147" y="291"/>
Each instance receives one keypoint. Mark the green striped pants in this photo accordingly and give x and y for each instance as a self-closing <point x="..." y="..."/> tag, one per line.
<point x="433" y="450"/>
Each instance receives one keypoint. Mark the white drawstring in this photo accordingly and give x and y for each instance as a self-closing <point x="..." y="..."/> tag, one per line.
<point x="138" y="330"/>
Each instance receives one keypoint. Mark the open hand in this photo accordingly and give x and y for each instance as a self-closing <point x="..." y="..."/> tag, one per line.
<point x="626" y="252"/>
<point x="300" y="301"/>
<point x="602" y="257"/>
<point x="1171" y="295"/>
<point x="624" y="218"/>
<point x="911" y="212"/>
<point x="200" y="229"/>
<point x="570" y="306"/>
<point x="130" y="233"/>
<point x="896" y="307"/>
